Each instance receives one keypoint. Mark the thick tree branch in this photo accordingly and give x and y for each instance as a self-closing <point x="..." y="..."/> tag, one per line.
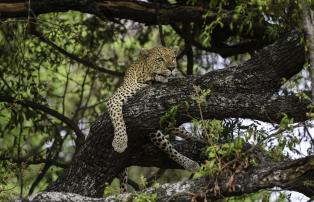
<point x="122" y="9"/>
<point x="188" y="51"/>
<point x="289" y="175"/>
<point x="308" y="26"/>
<point x="247" y="91"/>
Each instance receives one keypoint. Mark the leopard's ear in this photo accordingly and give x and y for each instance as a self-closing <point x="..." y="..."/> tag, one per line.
<point x="176" y="49"/>
<point x="143" y="53"/>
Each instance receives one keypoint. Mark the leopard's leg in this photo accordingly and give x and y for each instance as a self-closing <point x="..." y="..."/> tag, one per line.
<point x="114" y="105"/>
<point x="123" y="178"/>
<point x="159" y="140"/>
<point x="120" y="139"/>
<point x="183" y="133"/>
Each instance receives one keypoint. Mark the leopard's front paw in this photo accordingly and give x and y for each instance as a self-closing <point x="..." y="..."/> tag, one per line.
<point x="119" y="144"/>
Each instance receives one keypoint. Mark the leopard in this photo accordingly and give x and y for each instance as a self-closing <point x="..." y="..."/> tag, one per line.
<point x="157" y="64"/>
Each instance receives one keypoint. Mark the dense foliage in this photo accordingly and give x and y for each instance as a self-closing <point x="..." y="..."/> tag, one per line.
<point x="58" y="69"/>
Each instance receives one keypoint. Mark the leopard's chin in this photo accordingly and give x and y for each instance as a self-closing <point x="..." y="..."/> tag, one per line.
<point x="161" y="78"/>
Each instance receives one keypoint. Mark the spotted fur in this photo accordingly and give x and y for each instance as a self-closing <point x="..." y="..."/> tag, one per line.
<point x="123" y="177"/>
<point x="195" y="136"/>
<point x="155" y="64"/>
<point x="159" y="140"/>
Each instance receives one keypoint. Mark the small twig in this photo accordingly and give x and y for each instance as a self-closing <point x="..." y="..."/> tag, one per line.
<point x="65" y="90"/>
<point x="35" y="32"/>
<point x="20" y="166"/>
<point x="7" y="85"/>
<point x="252" y="148"/>
<point x="36" y="106"/>
<point x="308" y="133"/>
<point x="81" y="96"/>
<point x="92" y="106"/>
<point x="39" y="178"/>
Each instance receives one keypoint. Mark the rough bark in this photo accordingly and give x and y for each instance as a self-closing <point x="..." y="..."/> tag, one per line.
<point x="247" y="91"/>
<point x="289" y="175"/>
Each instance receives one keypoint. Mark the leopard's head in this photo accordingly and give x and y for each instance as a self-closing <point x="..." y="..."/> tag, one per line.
<point x="161" y="63"/>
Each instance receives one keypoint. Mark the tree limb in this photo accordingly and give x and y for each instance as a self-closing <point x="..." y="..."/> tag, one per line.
<point x="123" y="9"/>
<point x="289" y="175"/>
<point x="308" y="26"/>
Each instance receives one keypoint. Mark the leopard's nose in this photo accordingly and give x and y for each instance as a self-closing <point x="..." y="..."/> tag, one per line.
<point x="171" y="67"/>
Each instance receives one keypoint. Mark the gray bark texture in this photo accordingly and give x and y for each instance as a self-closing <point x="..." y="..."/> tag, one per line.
<point x="249" y="90"/>
<point x="289" y="175"/>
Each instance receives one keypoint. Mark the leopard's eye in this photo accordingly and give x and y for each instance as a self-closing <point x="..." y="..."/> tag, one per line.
<point x="160" y="59"/>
